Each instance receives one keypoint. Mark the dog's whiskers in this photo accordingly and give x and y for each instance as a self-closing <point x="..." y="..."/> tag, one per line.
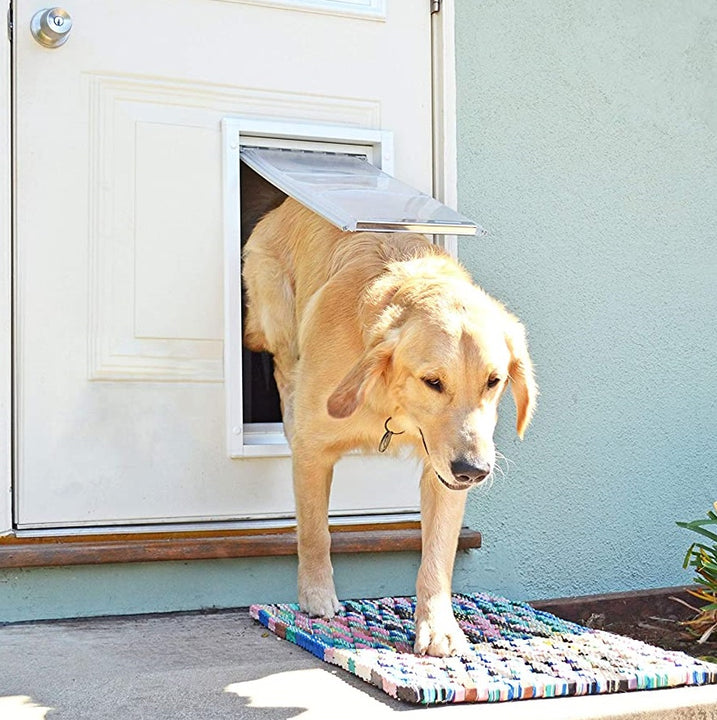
<point x="499" y="456"/>
<point x="498" y="467"/>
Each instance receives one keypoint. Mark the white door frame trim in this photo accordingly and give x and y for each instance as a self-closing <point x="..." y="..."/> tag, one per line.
<point x="443" y="84"/>
<point x="6" y="264"/>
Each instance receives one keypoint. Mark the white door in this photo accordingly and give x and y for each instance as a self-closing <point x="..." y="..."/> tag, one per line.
<point x="119" y="320"/>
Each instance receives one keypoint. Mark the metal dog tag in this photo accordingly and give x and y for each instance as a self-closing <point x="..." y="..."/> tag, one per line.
<point x="386" y="439"/>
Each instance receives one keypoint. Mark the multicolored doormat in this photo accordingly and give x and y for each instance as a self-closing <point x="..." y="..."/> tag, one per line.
<point x="516" y="652"/>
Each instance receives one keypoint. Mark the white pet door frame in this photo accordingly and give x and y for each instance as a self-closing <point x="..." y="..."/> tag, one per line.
<point x="341" y="173"/>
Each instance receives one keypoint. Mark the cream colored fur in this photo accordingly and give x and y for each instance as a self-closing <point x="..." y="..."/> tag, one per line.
<point x="364" y="327"/>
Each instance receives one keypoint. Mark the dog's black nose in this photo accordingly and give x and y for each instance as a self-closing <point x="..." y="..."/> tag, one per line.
<point x="466" y="472"/>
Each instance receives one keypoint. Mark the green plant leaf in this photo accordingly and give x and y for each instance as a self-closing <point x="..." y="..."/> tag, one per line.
<point x="696" y="547"/>
<point x="703" y="558"/>
<point x="699" y="529"/>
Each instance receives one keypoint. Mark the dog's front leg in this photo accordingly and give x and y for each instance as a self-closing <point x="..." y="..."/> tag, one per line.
<point x="313" y="473"/>
<point x="437" y="632"/>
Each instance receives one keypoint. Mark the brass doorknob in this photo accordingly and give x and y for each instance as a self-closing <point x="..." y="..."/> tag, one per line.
<point x="51" y="27"/>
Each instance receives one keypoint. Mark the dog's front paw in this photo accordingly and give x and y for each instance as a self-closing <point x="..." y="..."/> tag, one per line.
<point x="318" y="599"/>
<point x="440" y="636"/>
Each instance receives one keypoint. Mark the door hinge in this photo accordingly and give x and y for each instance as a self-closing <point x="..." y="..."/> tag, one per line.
<point x="9" y="23"/>
<point x="435" y="6"/>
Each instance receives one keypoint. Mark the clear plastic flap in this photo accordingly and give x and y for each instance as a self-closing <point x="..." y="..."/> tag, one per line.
<point x="354" y="195"/>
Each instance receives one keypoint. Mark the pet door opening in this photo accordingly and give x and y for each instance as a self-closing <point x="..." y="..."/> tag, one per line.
<point x="260" y="396"/>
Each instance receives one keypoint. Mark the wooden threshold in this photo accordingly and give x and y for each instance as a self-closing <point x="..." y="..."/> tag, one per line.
<point x="23" y="552"/>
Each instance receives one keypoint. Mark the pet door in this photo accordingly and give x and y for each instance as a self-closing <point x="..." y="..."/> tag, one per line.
<point x="342" y="174"/>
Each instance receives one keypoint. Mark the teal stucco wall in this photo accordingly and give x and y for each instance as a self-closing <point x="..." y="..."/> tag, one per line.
<point x="588" y="149"/>
<point x="587" y="137"/>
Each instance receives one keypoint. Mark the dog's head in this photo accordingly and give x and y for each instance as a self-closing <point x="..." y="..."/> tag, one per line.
<point x="439" y="367"/>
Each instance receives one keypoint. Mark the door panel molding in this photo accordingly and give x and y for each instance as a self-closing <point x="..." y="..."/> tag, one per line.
<point x="123" y="110"/>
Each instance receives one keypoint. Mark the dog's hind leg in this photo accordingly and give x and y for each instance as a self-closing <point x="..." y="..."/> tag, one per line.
<point x="313" y="472"/>
<point x="270" y="316"/>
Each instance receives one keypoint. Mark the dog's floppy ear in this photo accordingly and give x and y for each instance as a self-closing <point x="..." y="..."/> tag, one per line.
<point x="358" y="381"/>
<point x="522" y="379"/>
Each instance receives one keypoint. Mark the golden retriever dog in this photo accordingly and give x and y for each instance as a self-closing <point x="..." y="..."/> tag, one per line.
<point x="382" y="339"/>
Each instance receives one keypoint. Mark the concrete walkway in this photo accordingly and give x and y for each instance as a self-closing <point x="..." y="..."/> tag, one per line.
<point x="224" y="665"/>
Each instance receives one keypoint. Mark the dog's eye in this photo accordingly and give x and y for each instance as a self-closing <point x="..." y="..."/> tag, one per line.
<point x="433" y="383"/>
<point x="492" y="382"/>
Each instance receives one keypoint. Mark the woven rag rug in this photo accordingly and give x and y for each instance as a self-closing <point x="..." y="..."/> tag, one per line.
<point x="517" y="652"/>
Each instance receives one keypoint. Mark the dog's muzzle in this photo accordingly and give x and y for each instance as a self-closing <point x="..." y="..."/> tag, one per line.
<point x="465" y="474"/>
